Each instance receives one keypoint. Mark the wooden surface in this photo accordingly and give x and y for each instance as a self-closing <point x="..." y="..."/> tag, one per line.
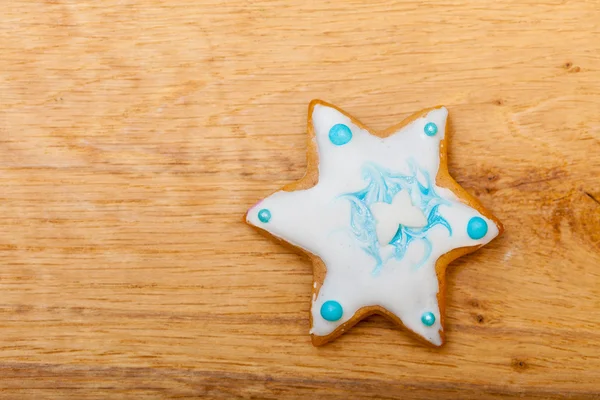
<point x="134" y="135"/>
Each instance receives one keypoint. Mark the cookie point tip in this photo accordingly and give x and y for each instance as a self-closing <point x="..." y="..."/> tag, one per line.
<point x="316" y="340"/>
<point x="317" y="102"/>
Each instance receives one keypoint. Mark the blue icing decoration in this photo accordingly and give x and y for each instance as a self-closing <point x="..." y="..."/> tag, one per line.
<point x="477" y="228"/>
<point x="431" y="129"/>
<point x="331" y="310"/>
<point x="428" y="318"/>
<point x="264" y="215"/>
<point x="382" y="186"/>
<point x="340" y="134"/>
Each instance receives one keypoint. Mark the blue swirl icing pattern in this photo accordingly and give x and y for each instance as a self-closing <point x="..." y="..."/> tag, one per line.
<point x="382" y="186"/>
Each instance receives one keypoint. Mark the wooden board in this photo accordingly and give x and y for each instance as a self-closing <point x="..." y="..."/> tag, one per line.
<point x="134" y="135"/>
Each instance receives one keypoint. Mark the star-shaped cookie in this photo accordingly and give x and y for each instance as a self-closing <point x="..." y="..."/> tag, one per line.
<point x="380" y="218"/>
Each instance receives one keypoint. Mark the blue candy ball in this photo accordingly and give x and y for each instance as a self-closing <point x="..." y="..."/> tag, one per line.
<point x="331" y="310"/>
<point x="340" y="134"/>
<point x="477" y="228"/>
<point x="264" y="215"/>
<point x="431" y="129"/>
<point x="428" y="318"/>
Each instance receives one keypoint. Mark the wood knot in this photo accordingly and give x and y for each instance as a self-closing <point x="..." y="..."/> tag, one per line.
<point x="571" y="68"/>
<point x="474" y="303"/>
<point x="519" y="365"/>
<point x="480" y="319"/>
<point x="498" y="102"/>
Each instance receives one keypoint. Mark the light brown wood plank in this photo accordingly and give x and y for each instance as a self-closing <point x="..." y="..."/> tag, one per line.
<point x="134" y="135"/>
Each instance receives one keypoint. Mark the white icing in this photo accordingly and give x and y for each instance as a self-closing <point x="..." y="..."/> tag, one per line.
<point x="318" y="220"/>
<point x="400" y="212"/>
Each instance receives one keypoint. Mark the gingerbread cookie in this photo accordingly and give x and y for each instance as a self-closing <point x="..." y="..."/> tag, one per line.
<point x="380" y="218"/>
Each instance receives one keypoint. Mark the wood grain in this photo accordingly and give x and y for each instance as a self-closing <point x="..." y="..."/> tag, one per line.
<point x="134" y="135"/>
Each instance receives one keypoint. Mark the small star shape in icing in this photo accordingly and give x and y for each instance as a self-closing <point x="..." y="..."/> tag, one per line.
<point x="380" y="218"/>
<point x="400" y="212"/>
